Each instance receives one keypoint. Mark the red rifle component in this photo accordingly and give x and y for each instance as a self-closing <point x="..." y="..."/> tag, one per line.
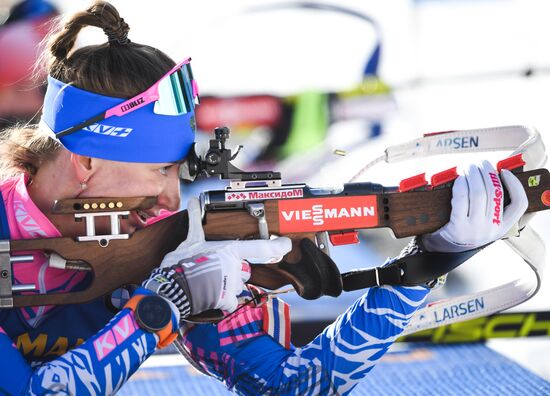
<point x="327" y="214"/>
<point x="413" y="183"/>
<point x="444" y="177"/>
<point x="344" y="238"/>
<point x="511" y="163"/>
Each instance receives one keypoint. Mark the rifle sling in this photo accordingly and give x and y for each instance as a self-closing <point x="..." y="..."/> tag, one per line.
<point x="414" y="270"/>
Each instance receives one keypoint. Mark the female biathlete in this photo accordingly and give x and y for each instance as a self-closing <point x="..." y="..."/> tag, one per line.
<point x="118" y="120"/>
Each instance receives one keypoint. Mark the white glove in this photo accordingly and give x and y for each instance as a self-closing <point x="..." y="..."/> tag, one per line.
<point x="478" y="216"/>
<point x="212" y="274"/>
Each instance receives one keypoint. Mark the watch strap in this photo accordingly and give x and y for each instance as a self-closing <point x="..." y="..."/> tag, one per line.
<point x="167" y="334"/>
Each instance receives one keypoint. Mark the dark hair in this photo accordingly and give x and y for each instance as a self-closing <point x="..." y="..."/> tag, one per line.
<point x="118" y="68"/>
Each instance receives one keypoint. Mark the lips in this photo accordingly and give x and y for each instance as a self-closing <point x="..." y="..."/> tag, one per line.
<point x="138" y="218"/>
<point x="143" y="215"/>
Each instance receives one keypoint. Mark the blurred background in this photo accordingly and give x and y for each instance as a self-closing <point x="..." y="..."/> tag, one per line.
<point x="297" y="80"/>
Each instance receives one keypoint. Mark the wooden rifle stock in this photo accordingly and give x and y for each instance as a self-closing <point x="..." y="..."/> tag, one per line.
<point x="122" y="262"/>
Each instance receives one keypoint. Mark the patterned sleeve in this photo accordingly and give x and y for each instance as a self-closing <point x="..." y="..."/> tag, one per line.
<point x="336" y="360"/>
<point x="101" y="365"/>
<point x="333" y="363"/>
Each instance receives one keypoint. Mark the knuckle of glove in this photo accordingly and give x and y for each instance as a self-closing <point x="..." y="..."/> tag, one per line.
<point x="232" y="284"/>
<point x="477" y="190"/>
<point x="228" y="304"/>
<point x="205" y="286"/>
<point x="169" y="260"/>
<point x="214" y="281"/>
<point x="459" y="237"/>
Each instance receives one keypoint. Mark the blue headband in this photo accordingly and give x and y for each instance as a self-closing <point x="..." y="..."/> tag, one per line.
<point x="138" y="136"/>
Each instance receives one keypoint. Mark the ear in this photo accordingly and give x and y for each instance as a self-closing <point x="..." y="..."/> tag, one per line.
<point x="82" y="166"/>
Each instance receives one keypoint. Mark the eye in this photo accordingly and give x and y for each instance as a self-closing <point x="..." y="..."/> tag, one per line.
<point x="164" y="170"/>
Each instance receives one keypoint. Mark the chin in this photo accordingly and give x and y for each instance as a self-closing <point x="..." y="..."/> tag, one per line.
<point x="129" y="228"/>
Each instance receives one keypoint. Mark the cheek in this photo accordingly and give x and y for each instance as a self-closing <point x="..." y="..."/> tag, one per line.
<point x="123" y="183"/>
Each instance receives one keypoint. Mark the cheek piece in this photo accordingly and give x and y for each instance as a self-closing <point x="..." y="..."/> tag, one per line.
<point x="156" y="126"/>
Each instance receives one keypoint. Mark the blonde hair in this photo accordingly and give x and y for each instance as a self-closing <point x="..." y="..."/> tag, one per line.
<point x="24" y="149"/>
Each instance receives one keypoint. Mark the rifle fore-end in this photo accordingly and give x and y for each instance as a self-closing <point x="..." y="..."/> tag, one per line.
<point x="406" y="214"/>
<point x="239" y="225"/>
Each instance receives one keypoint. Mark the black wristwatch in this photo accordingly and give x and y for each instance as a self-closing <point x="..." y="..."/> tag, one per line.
<point x="153" y="313"/>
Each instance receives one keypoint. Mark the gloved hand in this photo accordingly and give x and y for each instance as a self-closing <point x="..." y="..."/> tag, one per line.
<point x="478" y="216"/>
<point x="201" y="275"/>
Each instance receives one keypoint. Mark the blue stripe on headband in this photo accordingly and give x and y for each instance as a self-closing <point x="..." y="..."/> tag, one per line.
<point x="138" y="136"/>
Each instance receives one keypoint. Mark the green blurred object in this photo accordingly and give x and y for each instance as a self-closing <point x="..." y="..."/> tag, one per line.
<point x="309" y="123"/>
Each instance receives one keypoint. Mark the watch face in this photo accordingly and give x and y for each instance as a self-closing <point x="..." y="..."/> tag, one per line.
<point x="153" y="313"/>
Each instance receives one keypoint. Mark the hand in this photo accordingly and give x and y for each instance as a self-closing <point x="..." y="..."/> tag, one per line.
<point x="201" y="275"/>
<point x="478" y="216"/>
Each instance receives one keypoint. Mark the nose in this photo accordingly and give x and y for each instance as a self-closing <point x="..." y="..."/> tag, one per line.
<point x="169" y="198"/>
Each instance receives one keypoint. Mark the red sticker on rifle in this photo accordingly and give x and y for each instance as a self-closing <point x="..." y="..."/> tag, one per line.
<point x="324" y="214"/>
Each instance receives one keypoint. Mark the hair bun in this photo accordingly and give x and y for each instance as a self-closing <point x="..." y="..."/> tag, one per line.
<point x="108" y="69"/>
<point x="119" y="34"/>
<point x="110" y="21"/>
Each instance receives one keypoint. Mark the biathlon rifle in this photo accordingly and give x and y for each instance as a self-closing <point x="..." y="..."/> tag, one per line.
<point x="258" y="205"/>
